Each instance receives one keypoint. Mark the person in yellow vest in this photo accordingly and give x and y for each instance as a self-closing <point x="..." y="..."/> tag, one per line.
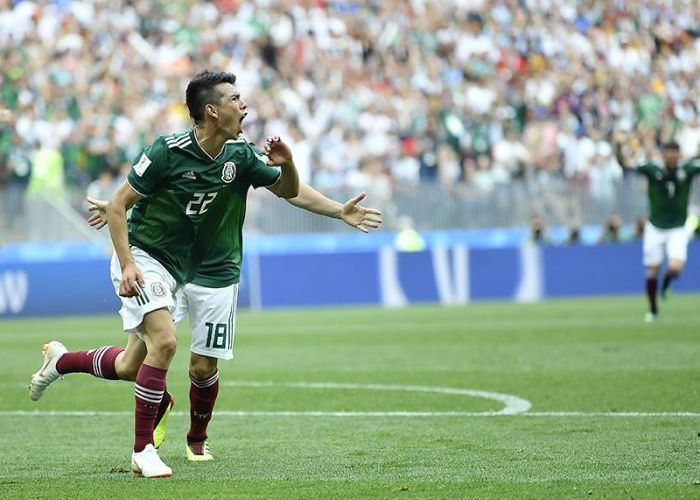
<point x="408" y="239"/>
<point x="47" y="175"/>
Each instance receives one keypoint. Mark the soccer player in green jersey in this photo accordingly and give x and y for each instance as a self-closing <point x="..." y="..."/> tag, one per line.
<point x="209" y="299"/>
<point x="187" y="191"/>
<point x="668" y="192"/>
<point x="206" y="302"/>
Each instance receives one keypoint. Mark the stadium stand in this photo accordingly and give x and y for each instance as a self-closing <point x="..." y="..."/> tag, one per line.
<point x="456" y="113"/>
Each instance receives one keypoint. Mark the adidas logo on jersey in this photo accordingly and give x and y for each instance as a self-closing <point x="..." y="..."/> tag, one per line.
<point x="189" y="175"/>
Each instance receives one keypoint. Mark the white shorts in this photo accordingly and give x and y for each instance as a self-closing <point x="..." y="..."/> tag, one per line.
<point x="160" y="290"/>
<point x="212" y="314"/>
<point x="674" y="241"/>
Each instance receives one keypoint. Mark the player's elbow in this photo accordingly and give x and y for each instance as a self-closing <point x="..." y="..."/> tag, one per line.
<point x="286" y="190"/>
<point x="297" y="201"/>
<point x="291" y="191"/>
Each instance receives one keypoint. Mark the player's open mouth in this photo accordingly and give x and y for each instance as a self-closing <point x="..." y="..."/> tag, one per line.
<point x="242" y="117"/>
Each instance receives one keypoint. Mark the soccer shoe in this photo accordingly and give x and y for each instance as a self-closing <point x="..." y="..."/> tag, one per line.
<point x="650" y="317"/>
<point x="47" y="373"/>
<point x="160" y="423"/>
<point x="147" y="463"/>
<point x="198" y="452"/>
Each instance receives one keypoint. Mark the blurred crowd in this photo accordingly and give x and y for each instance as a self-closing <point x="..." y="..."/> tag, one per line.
<point x="374" y="95"/>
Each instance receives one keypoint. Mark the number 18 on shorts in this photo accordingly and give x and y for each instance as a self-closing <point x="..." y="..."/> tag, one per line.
<point x="212" y="313"/>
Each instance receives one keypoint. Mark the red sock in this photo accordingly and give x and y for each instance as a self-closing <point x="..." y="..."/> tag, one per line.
<point x="149" y="389"/>
<point x="97" y="362"/>
<point x="202" y="398"/>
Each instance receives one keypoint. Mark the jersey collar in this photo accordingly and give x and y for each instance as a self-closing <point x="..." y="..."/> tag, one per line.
<point x="201" y="150"/>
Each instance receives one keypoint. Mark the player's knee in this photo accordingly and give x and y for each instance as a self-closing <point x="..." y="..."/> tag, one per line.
<point x="675" y="268"/>
<point x="167" y="345"/>
<point x="202" y="368"/>
<point x="163" y="343"/>
<point x="652" y="271"/>
<point x="159" y="332"/>
<point x="202" y="372"/>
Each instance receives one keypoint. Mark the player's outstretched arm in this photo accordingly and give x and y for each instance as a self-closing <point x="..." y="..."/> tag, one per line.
<point x="352" y="213"/>
<point x="619" y="153"/>
<point x="279" y="154"/>
<point x="123" y="199"/>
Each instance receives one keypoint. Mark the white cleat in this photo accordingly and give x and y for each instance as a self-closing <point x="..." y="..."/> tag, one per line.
<point x="147" y="463"/>
<point x="650" y="317"/>
<point x="47" y="373"/>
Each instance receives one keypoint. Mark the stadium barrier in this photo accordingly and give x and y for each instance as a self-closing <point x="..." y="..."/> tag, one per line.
<point x="73" y="278"/>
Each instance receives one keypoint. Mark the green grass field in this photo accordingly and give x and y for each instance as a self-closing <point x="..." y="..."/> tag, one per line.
<point x="324" y="404"/>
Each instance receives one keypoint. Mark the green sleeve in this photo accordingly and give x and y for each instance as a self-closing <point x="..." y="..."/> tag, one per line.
<point x="148" y="169"/>
<point x="645" y="169"/>
<point x="261" y="174"/>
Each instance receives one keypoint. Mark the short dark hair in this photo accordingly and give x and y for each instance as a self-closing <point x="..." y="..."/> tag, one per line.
<point x="671" y="146"/>
<point x="201" y="91"/>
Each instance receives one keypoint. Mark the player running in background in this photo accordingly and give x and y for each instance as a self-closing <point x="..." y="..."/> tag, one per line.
<point x="187" y="190"/>
<point x="668" y="192"/>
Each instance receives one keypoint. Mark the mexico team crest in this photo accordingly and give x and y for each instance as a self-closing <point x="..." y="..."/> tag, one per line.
<point x="158" y="289"/>
<point x="228" y="173"/>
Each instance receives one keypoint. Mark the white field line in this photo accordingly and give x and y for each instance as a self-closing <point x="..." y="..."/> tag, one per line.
<point x="611" y="414"/>
<point x="401" y="414"/>
<point x="514" y="406"/>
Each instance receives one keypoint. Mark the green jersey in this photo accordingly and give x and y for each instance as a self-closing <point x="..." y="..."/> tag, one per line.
<point x="191" y="217"/>
<point x="669" y="192"/>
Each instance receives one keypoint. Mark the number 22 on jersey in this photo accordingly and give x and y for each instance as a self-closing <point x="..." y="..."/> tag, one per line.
<point x="199" y="203"/>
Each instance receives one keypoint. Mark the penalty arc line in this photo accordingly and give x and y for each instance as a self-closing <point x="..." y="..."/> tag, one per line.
<point x="514" y="406"/>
